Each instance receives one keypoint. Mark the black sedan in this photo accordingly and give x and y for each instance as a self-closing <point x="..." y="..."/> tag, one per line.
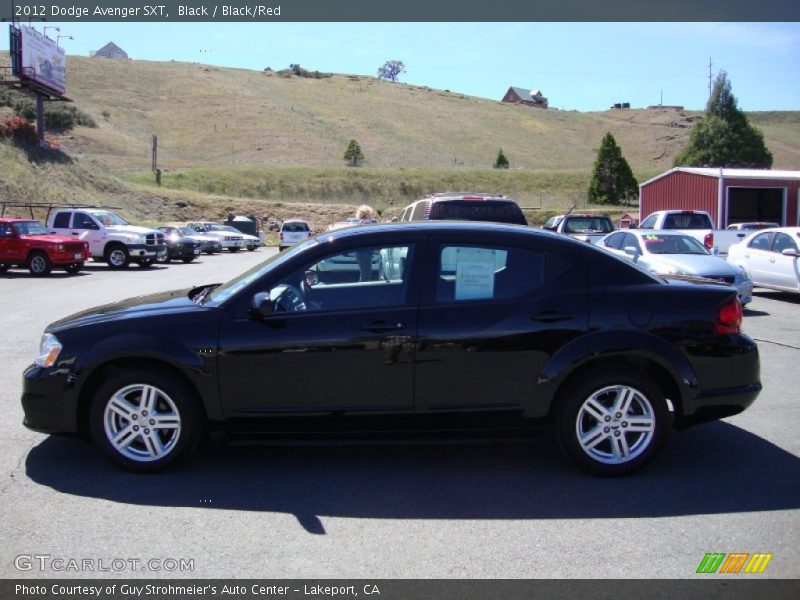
<point x="179" y="247"/>
<point x="410" y="330"/>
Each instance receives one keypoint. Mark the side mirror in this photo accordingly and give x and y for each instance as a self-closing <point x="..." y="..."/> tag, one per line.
<point x="632" y="251"/>
<point x="790" y="252"/>
<point x="261" y="305"/>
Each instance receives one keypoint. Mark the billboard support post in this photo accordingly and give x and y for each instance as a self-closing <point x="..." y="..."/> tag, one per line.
<point x="40" y="117"/>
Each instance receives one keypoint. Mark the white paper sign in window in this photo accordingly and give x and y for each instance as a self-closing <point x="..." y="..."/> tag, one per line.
<point x="475" y="269"/>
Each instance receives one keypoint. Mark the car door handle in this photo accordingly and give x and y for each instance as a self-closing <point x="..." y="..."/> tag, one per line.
<point x="382" y="326"/>
<point x="75" y="233"/>
<point x="551" y="316"/>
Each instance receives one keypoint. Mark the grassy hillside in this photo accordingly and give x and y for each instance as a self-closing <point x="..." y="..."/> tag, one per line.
<point x="210" y="116"/>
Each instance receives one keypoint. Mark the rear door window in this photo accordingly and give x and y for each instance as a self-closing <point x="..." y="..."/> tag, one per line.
<point x="760" y="242"/>
<point x="468" y="273"/>
<point x="61" y="221"/>
<point x="418" y="212"/>
<point x="614" y="241"/>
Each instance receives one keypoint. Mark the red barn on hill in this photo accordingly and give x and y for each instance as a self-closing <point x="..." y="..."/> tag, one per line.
<point x="729" y="195"/>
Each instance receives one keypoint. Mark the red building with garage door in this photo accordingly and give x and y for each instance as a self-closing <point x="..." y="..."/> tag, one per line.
<point x="729" y="195"/>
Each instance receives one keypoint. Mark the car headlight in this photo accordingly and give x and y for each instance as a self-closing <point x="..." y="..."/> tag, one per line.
<point x="60" y="248"/>
<point x="49" y="349"/>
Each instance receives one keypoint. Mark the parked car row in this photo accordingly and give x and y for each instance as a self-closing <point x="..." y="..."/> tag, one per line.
<point x="74" y="235"/>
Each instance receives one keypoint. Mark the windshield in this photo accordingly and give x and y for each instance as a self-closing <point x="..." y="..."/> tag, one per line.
<point x="187" y="231"/>
<point x="108" y="219"/>
<point x="215" y="227"/>
<point x="226" y="290"/>
<point x="672" y="244"/>
<point x="230" y="229"/>
<point x="30" y="228"/>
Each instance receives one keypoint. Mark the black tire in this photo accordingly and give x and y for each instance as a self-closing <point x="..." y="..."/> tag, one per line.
<point x="146" y="263"/>
<point x="139" y="457"/>
<point x="187" y="260"/>
<point x="614" y="432"/>
<point x="251" y="248"/>
<point x="4" y="268"/>
<point x="73" y="268"/>
<point x="117" y="256"/>
<point x="39" y="264"/>
<point x="234" y="249"/>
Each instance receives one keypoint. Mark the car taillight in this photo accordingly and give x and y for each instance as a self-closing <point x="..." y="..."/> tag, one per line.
<point x="708" y="240"/>
<point x="729" y="317"/>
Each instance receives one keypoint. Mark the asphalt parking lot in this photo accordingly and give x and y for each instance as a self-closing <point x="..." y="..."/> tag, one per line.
<point x="382" y="511"/>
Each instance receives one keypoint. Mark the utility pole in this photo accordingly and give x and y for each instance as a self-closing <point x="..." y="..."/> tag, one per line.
<point x="709" y="77"/>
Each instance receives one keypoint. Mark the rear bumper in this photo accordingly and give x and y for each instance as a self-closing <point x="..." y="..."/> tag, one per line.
<point x="711" y="405"/>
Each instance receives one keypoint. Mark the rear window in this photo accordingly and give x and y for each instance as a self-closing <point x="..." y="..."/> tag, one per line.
<point x="588" y="225"/>
<point x="478" y="210"/>
<point x="687" y="221"/>
<point x="295" y="227"/>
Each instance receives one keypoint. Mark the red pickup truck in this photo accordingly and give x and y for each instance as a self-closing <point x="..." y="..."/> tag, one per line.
<point x="28" y="243"/>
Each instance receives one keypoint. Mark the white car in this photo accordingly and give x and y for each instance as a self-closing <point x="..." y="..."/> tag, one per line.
<point x="233" y="241"/>
<point x="674" y="253"/>
<point x="292" y="232"/>
<point x="771" y="257"/>
<point x="251" y="242"/>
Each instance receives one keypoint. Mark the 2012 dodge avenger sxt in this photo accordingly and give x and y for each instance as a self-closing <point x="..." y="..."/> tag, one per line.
<point x="423" y="329"/>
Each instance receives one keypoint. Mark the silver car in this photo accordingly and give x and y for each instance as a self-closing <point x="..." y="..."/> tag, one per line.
<point x="673" y="253"/>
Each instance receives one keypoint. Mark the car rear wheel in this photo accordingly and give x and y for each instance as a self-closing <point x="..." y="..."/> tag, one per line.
<point x="613" y="423"/>
<point x="146" y="262"/>
<point x="234" y="249"/>
<point x="38" y="264"/>
<point x="117" y="256"/>
<point x="4" y="268"/>
<point x="145" y="420"/>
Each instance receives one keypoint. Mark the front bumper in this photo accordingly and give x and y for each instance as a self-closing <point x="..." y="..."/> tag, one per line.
<point x="146" y="250"/>
<point x="49" y="400"/>
<point x="183" y="251"/>
<point x="233" y="244"/>
<point x="69" y="258"/>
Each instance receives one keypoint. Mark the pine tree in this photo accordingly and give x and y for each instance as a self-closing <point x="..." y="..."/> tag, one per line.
<point x="502" y="161"/>
<point x="612" y="179"/>
<point x="353" y="155"/>
<point x="724" y="137"/>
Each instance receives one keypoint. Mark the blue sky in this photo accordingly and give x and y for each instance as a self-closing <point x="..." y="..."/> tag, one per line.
<point x="583" y="66"/>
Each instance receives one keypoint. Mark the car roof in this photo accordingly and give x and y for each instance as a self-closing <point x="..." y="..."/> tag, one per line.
<point x="17" y="220"/>
<point x="436" y="226"/>
<point x="295" y="221"/>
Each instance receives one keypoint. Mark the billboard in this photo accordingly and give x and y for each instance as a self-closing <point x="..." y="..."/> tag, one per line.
<point x="39" y="60"/>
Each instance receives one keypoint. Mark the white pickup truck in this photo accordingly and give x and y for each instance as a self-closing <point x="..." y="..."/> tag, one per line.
<point x="111" y="238"/>
<point x="698" y="224"/>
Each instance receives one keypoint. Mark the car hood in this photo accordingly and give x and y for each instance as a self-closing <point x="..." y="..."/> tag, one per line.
<point x="53" y="239"/>
<point x="132" y="229"/>
<point x="177" y="301"/>
<point x="701" y="265"/>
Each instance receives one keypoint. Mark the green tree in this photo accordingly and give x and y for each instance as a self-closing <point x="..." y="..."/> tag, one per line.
<point x="501" y="162"/>
<point x="391" y="70"/>
<point x="612" y="179"/>
<point x="353" y="155"/>
<point x="724" y="137"/>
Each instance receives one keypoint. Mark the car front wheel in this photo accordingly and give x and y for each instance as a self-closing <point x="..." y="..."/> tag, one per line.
<point x="145" y="420"/>
<point x="39" y="264"/>
<point x="613" y="423"/>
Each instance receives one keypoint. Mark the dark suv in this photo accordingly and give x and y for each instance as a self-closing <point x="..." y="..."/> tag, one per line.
<point x="458" y="206"/>
<point x="399" y="330"/>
